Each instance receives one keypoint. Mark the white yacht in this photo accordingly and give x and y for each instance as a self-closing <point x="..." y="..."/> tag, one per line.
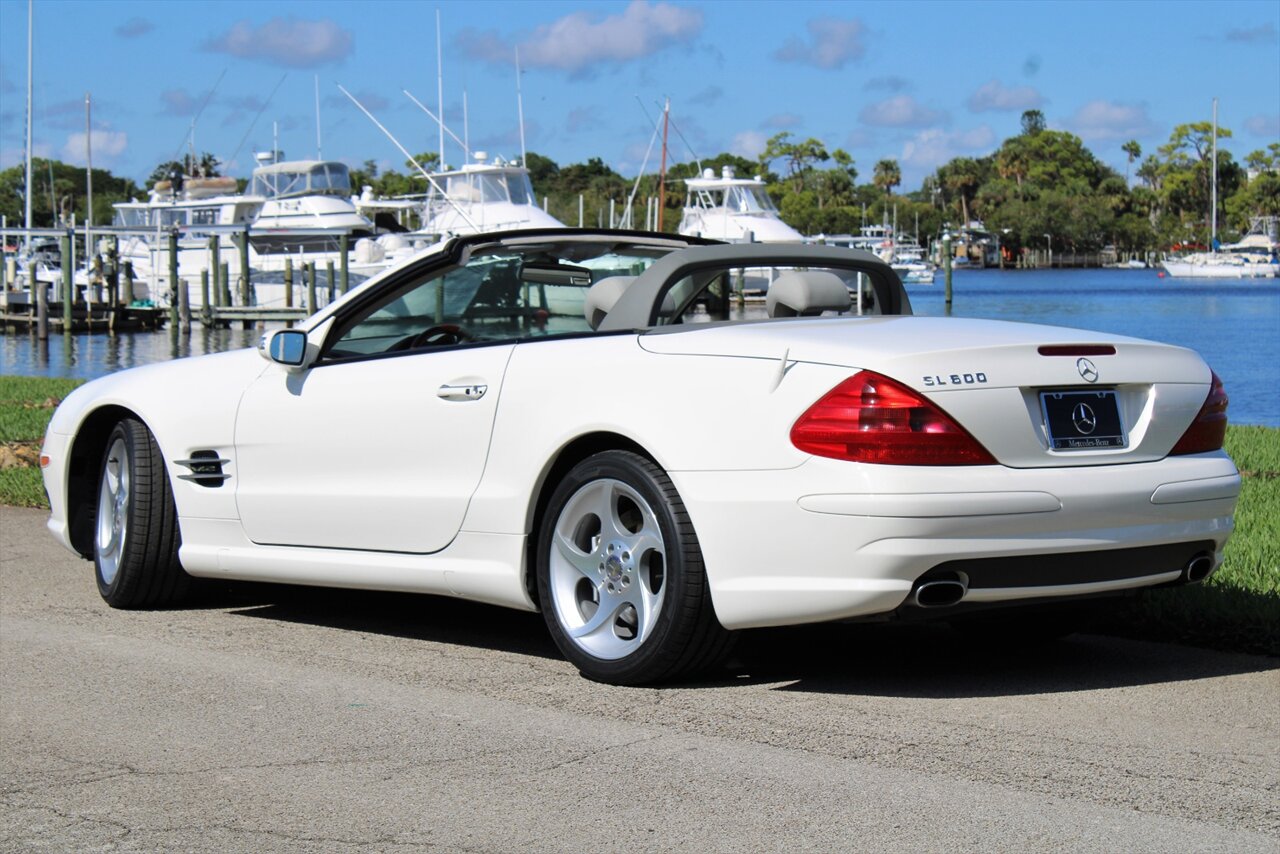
<point x="293" y="209"/>
<point x="481" y="196"/>
<point x="733" y="209"/>
<point x="1254" y="256"/>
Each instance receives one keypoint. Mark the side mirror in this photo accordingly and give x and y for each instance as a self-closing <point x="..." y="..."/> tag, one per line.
<point x="286" y="347"/>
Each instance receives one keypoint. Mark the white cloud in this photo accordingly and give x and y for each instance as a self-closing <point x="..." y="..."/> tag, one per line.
<point x="1261" y="34"/>
<point x="833" y="43"/>
<point x="748" y="143"/>
<point x="707" y="97"/>
<point x="782" y="121"/>
<point x="580" y="42"/>
<point x="107" y="145"/>
<point x="290" y="42"/>
<point x="585" y="119"/>
<point x="180" y="102"/>
<point x="901" y="111"/>
<point x="1268" y="126"/>
<point x="134" y="27"/>
<point x="929" y="149"/>
<point x="1101" y="120"/>
<point x="994" y="96"/>
<point x="891" y="83"/>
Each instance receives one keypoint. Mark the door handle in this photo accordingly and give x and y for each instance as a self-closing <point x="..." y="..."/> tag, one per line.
<point x="461" y="392"/>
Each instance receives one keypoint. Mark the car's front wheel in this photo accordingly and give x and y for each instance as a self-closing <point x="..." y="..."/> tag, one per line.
<point x="135" y="546"/>
<point x="620" y="574"/>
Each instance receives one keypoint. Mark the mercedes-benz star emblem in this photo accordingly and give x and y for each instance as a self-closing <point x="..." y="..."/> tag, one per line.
<point x="1084" y="419"/>
<point x="1087" y="370"/>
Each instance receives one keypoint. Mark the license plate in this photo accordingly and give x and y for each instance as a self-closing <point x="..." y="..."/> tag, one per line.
<point x="1082" y="420"/>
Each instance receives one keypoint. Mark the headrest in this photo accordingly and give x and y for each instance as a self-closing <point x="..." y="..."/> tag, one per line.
<point x="809" y="292"/>
<point x="602" y="296"/>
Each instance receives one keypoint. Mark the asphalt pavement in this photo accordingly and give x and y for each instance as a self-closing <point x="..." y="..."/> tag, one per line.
<point x="283" y="719"/>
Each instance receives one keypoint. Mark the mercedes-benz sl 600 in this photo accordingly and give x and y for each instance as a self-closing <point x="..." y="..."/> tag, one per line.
<point x="588" y="424"/>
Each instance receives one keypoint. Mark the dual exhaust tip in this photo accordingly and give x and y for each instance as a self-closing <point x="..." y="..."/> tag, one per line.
<point x="945" y="591"/>
<point x="1197" y="569"/>
<point x="940" y="592"/>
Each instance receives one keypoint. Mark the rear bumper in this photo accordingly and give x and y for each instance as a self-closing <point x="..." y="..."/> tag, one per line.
<point x="831" y="540"/>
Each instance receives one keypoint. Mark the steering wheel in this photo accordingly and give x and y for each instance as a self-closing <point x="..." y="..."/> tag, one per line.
<point x="443" y="335"/>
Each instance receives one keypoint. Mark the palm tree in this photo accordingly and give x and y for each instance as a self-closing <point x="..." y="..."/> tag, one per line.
<point x="887" y="176"/>
<point x="1134" y="151"/>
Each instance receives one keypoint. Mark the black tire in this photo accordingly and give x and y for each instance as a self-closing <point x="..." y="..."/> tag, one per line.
<point x="136" y="538"/>
<point x="684" y="637"/>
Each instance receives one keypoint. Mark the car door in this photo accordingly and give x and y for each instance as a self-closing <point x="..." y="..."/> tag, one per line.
<point x="380" y="444"/>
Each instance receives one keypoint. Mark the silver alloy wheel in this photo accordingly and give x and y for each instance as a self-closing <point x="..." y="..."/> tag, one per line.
<point x="607" y="569"/>
<point x="113" y="511"/>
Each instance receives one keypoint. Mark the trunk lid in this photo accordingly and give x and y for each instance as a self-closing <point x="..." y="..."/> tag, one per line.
<point x="988" y="375"/>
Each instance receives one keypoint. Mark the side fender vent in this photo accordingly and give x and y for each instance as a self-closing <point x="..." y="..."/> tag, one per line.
<point x="206" y="468"/>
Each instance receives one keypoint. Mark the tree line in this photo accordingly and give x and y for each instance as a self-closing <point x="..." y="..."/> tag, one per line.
<point x="1038" y="182"/>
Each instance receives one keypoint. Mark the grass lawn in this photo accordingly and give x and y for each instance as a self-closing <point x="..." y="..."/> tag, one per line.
<point x="1237" y="609"/>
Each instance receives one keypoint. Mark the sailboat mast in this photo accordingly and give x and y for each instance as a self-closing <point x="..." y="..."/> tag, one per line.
<point x="662" y="175"/>
<point x="88" y="169"/>
<point x="440" y="89"/>
<point x="27" y="189"/>
<point x="319" y="150"/>
<point x="1213" y="213"/>
<point x="520" y="109"/>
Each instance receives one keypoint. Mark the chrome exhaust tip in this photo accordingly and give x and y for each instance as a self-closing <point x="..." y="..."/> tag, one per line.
<point x="942" y="593"/>
<point x="1197" y="569"/>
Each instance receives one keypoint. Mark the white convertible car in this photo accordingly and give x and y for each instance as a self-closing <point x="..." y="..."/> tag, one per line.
<point x="574" y="422"/>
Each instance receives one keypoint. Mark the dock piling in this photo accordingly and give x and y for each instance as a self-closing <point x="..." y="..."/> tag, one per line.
<point x="174" y="282"/>
<point x="310" y="276"/>
<point x="68" y="282"/>
<point x="288" y="287"/>
<point x="344" y="246"/>
<point x="946" y="267"/>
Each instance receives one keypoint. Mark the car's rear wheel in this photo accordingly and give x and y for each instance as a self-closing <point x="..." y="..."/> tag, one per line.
<point x="620" y="575"/>
<point x="135" y="547"/>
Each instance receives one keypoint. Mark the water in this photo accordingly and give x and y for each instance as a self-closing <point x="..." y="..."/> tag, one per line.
<point x="1234" y="325"/>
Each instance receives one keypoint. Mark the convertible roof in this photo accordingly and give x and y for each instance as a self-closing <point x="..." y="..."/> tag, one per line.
<point x="638" y="306"/>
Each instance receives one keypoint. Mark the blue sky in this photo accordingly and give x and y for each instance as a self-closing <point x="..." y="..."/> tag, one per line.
<point x="920" y="82"/>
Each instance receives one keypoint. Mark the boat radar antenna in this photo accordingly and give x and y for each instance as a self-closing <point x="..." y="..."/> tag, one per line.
<point x="425" y="174"/>
<point x="421" y="106"/>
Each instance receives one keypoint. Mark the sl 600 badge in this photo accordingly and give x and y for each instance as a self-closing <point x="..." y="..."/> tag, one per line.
<point x="956" y="379"/>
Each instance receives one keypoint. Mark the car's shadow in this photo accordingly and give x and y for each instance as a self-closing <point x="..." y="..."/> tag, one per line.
<point x="921" y="661"/>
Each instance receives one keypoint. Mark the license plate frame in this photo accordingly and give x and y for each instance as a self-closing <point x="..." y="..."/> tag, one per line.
<point x="1083" y="420"/>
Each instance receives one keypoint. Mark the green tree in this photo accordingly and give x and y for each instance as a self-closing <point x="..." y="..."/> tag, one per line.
<point x="887" y="176"/>
<point x="60" y="193"/>
<point x="1134" y="151"/>
<point x="1032" y="122"/>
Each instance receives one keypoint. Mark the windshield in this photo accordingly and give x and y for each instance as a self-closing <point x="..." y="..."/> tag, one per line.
<point x="320" y="179"/>
<point x="748" y="200"/>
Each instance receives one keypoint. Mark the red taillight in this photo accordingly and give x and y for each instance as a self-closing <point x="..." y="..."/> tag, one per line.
<point x="1209" y="430"/>
<point x="873" y="419"/>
